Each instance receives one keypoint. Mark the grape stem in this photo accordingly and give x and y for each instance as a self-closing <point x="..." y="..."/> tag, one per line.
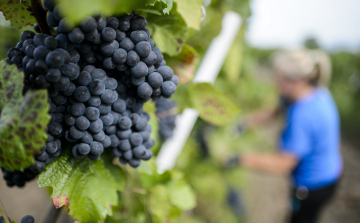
<point x="2" y="210"/>
<point x="52" y="214"/>
<point x="38" y="10"/>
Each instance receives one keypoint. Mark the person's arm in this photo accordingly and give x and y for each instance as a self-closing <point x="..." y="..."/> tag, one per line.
<point x="274" y="163"/>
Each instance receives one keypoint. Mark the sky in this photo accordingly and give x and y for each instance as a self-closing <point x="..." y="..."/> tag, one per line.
<point x="287" y="23"/>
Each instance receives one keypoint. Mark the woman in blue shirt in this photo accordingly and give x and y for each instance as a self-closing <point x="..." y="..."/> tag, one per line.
<point x="309" y="147"/>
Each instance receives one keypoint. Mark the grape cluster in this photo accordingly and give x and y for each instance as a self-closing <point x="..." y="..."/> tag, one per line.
<point x="18" y="178"/>
<point x="166" y="112"/>
<point x="121" y="46"/>
<point x="25" y="219"/>
<point x="98" y="76"/>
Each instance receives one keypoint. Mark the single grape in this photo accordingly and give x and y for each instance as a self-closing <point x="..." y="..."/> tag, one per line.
<point x="70" y="120"/>
<point x="144" y="90"/>
<point x="138" y="36"/>
<point x="108" y="34"/>
<point x="76" y="36"/>
<point x="83" y="149"/>
<point x="84" y="78"/>
<point x="107" y="119"/>
<point x="108" y="48"/>
<point x="139" y="151"/>
<point x="134" y="162"/>
<point x="76" y="154"/>
<point x="125" y="134"/>
<point x="114" y="141"/>
<point x="124" y="123"/>
<point x="106" y="142"/>
<point x="96" y="126"/>
<point x="77" y="109"/>
<point x="124" y="23"/>
<point x="138" y="23"/>
<point x="127" y="44"/>
<point x="82" y="94"/>
<point x="94" y="101"/>
<point x="92" y="113"/>
<point x="76" y="133"/>
<point x="104" y="108"/>
<point x="54" y="128"/>
<point x="82" y="123"/>
<point x="97" y="87"/>
<point x="99" y="136"/>
<point x="120" y="56"/>
<point x="168" y="88"/>
<point x="88" y="24"/>
<point x="155" y="80"/>
<point x="132" y="58"/>
<point x="51" y="43"/>
<point x="98" y="74"/>
<point x="87" y="138"/>
<point x="139" y="70"/>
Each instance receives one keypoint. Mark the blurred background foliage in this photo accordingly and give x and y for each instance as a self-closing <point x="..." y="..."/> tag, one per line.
<point x="246" y="78"/>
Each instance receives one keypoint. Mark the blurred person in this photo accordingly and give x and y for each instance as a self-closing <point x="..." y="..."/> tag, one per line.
<point x="309" y="145"/>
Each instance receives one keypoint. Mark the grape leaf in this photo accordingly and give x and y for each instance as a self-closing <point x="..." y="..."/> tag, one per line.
<point x="15" y="11"/>
<point x="150" y="108"/>
<point x="184" y="64"/>
<point x="168" y="32"/>
<point x="23" y="120"/>
<point x="213" y="105"/>
<point x="158" y="203"/>
<point x="181" y="195"/>
<point x="169" y="4"/>
<point x="191" y="11"/>
<point x="88" y="188"/>
<point x="76" y="11"/>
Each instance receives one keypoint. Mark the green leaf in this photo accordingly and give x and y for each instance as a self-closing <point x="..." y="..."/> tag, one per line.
<point x="169" y="4"/>
<point x="88" y="188"/>
<point x="213" y="105"/>
<point x="23" y="120"/>
<point x="191" y="11"/>
<point x="15" y="11"/>
<point x="150" y="108"/>
<point x="184" y="64"/>
<point x="158" y="203"/>
<point x="80" y="9"/>
<point x="11" y="84"/>
<point x="168" y="32"/>
<point x="181" y="195"/>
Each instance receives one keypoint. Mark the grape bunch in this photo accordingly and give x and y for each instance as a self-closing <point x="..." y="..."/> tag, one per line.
<point x="121" y="46"/>
<point x="25" y="219"/>
<point x="18" y="178"/>
<point x="166" y="112"/>
<point x="98" y="75"/>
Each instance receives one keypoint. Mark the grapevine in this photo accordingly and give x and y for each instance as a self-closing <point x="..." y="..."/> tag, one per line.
<point x="87" y="88"/>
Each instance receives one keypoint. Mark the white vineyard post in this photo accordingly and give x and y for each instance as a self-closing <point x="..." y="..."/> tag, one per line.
<point x="207" y="72"/>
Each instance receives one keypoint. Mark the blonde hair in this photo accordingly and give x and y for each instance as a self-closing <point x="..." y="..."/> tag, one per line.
<point x="313" y="65"/>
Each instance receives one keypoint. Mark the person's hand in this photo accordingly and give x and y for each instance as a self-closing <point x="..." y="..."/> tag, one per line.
<point x="239" y="129"/>
<point x="232" y="162"/>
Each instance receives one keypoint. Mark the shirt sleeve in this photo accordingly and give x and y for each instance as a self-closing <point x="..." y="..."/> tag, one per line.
<point x="295" y="138"/>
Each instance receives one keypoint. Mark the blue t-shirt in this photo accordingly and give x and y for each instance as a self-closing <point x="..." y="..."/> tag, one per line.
<point x="312" y="134"/>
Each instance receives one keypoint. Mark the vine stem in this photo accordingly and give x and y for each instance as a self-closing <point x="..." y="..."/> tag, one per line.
<point x="38" y="10"/>
<point x="2" y="210"/>
<point x="52" y="214"/>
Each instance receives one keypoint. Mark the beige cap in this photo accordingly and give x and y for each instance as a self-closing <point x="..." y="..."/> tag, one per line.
<point x="313" y="65"/>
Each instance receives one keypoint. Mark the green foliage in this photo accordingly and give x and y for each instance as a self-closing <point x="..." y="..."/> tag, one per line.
<point x="184" y="64"/>
<point x="16" y="13"/>
<point x="213" y="105"/>
<point x="167" y="31"/>
<point x="191" y="11"/>
<point x="23" y="120"/>
<point x="88" y="188"/>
